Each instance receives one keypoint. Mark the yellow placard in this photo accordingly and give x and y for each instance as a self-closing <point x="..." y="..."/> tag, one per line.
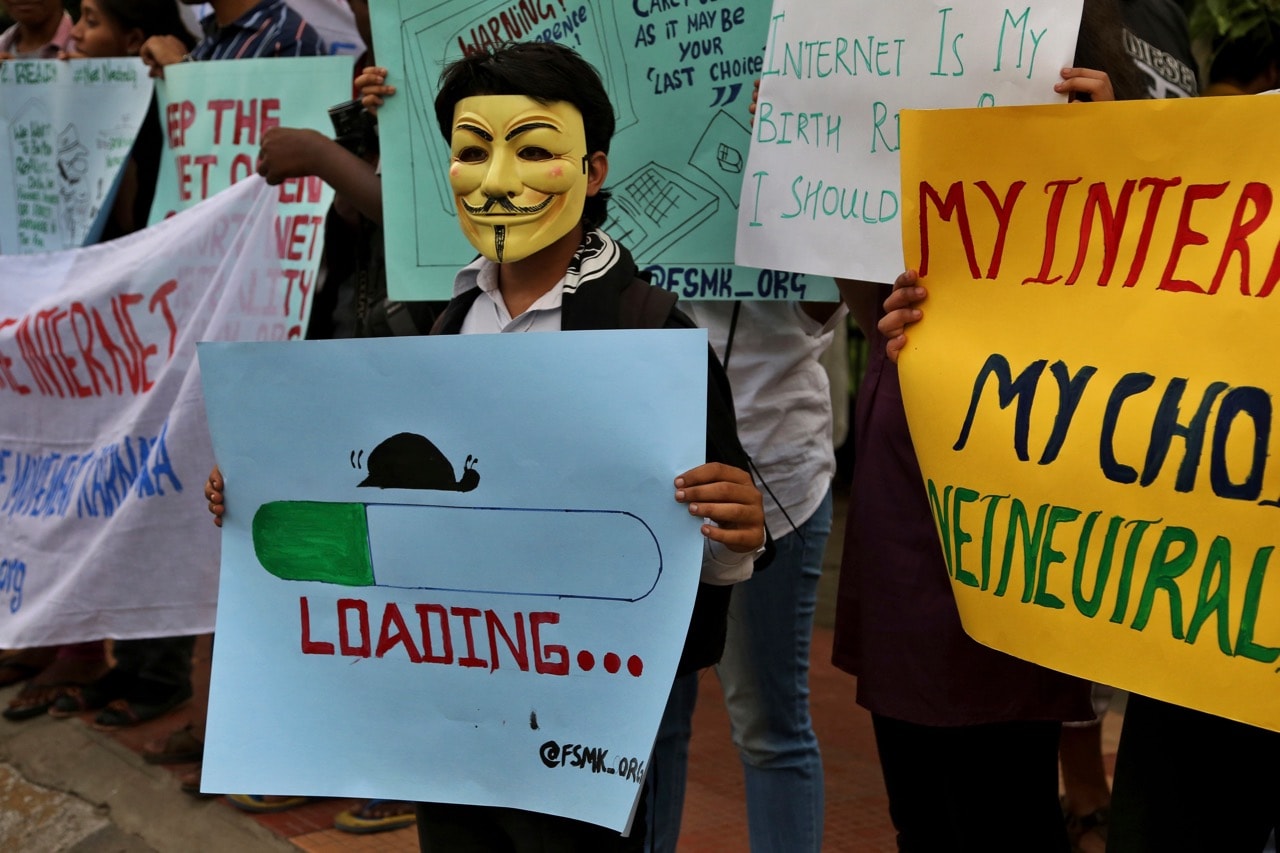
<point x="1091" y="392"/>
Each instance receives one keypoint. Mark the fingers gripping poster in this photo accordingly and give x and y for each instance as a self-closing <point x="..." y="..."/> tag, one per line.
<point x="821" y="189"/>
<point x="66" y="129"/>
<point x="1091" y="390"/>
<point x="456" y="585"/>
<point x="679" y="74"/>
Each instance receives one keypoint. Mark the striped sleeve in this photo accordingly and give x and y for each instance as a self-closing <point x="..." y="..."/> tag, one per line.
<point x="275" y="31"/>
<point x="290" y="35"/>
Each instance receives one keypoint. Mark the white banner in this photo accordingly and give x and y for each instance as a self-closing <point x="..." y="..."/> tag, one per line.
<point x="103" y="443"/>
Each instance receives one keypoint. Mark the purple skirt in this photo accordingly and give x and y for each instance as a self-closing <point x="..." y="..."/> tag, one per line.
<point x="897" y="627"/>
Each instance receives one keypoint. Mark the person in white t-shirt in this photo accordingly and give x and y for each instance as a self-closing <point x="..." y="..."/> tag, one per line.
<point x="771" y="352"/>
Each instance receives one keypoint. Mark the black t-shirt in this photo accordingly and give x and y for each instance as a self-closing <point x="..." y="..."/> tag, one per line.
<point x="1157" y="39"/>
<point x="147" y="148"/>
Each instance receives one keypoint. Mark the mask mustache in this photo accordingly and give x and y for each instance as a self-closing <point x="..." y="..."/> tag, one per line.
<point x="507" y="206"/>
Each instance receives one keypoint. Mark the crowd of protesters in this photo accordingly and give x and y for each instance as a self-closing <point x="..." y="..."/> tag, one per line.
<point x="958" y="726"/>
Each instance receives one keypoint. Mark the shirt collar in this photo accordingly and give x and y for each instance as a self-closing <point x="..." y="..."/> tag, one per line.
<point x="59" y="42"/>
<point x="483" y="273"/>
<point x="593" y="259"/>
<point x="62" y="37"/>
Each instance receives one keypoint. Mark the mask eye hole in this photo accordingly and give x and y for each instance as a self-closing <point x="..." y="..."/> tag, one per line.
<point x="534" y="154"/>
<point x="472" y="154"/>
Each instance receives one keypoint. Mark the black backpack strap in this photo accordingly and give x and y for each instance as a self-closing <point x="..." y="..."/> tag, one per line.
<point x="643" y="306"/>
<point x="449" y="322"/>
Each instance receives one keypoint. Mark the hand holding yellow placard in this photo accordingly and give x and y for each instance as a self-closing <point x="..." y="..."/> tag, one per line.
<point x="1090" y="394"/>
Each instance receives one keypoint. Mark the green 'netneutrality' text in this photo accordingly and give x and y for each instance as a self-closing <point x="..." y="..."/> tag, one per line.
<point x="1111" y="560"/>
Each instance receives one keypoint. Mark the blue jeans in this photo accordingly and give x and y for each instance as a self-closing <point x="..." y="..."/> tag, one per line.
<point x="765" y="677"/>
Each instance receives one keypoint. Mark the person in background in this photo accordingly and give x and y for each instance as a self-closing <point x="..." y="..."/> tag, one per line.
<point x="1086" y="793"/>
<point x="783" y="404"/>
<point x="235" y="29"/>
<point x="560" y="271"/>
<point x="41" y="29"/>
<point x="1216" y="789"/>
<point x="958" y="726"/>
<point x="1242" y="60"/>
<point x="771" y="353"/>
<point x="1156" y="39"/>
<point x="110" y="28"/>
<point x="239" y="29"/>
<point x="151" y="676"/>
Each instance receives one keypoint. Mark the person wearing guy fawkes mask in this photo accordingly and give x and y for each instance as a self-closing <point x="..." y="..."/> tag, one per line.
<point x="529" y="126"/>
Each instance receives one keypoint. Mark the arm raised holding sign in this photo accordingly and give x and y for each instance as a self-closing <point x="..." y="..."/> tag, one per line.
<point x="291" y="152"/>
<point x="1085" y="84"/>
<point x="898" y="628"/>
<point x="373" y="87"/>
<point x="900" y="311"/>
<point x="902" y="306"/>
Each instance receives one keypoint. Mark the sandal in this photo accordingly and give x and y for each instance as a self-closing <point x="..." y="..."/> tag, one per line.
<point x="34" y="700"/>
<point x="92" y="696"/>
<point x="376" y="816"/>
<point x="261" y="804"/>
<point x="180" y="747"/>
<point x="189" y="783"/>
<point x="39" y="695"/>
<point x="125" y="713"/>
<point x="1081" y="826"/>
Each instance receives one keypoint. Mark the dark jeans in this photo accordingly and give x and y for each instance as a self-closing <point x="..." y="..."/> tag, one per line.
<point x="986" y="788"/>
<point x="160" y="663"/>
<point x="446" y="828"/>
<point x="1189" y="781"/>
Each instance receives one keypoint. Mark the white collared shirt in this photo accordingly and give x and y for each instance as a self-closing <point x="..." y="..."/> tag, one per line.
<point x="782" y="400"/>
<point x="489" y="314"/>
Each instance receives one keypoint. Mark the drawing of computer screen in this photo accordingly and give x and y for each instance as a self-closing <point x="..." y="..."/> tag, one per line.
<point x="654" y="207"/>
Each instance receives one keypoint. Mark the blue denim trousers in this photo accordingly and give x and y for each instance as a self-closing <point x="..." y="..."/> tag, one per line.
<point x="764" y="674"/>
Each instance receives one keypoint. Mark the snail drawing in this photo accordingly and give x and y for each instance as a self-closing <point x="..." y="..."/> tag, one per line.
<point x="410" y="461"/>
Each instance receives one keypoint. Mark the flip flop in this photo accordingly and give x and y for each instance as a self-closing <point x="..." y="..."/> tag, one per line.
<point x="34" y="700"/>
<point x="92" y="696"/>
<point x="258" y="804"/>
<point x="361" y="819"/>
<point x="125" y="713"/>
<point x="189" y="783"/>
<point x="179" y="747"/>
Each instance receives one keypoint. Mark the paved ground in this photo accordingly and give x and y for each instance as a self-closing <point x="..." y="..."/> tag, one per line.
<point x="65" y="787"/>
